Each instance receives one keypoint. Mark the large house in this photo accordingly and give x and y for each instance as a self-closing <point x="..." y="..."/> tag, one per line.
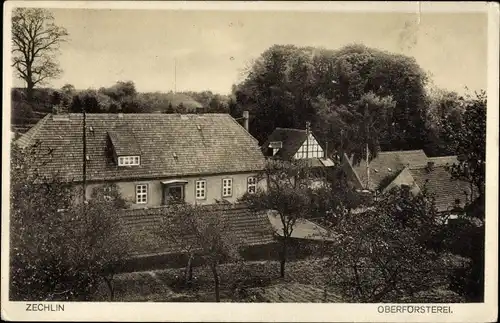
<point x="415" y="170"/>
<point x="154" y="159"/>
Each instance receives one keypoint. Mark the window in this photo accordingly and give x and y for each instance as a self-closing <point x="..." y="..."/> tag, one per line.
<point x="129" y="161"/>
<point x="175" y="193"/>
<point x="201" y="189"/>
<point x="227" y="187"/>
<point x="251" y="185"/>
<point x="141" y="193"/>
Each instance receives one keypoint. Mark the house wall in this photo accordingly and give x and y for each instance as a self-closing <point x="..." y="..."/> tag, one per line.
<point x="155" y="189"/>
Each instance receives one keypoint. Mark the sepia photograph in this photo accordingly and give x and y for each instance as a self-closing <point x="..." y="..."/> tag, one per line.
<point x="248" y="154"/>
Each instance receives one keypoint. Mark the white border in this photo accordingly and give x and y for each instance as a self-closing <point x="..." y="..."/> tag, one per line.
<point x="484" y="312"/>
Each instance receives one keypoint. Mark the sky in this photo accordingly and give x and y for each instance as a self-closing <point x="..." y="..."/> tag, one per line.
<point x="210" y="49"/>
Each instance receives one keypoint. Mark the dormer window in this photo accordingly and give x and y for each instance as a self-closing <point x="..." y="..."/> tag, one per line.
<point x="129" y="161"/>
<point x="275" y="146"/>
<point x="125" y="148"/>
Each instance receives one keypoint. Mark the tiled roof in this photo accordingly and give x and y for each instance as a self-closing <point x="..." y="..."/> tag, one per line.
<point x="170" y="145"/>
<point x="445" y="160"/>
<point x="388" y="163"/>
<point x="124" y="141"/>
<point x="140" y="228"/>
<point x="404" y="178"/>
<point x="28" y="136"/>
<point x="291" y="140"/>
<point x="318" y="162"/>
<point x="438" y="182"/>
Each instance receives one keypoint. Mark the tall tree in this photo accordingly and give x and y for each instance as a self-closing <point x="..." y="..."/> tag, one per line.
<point x="444" y="112"/>
<point x="283" y="85"/>
<point x="361" y="126"/>
<point x="469" y="143"/>
<point x="35" y="41"/>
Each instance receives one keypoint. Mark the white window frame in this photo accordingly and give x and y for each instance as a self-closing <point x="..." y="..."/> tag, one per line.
<point x="227" y="187"/>
<point x="141" y="193"/>
<point x="251" y="183"/>
<point x="129" y="160"/>
<point x="200" y="189"/>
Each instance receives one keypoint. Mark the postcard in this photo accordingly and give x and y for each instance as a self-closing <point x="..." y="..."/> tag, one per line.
<point x="250" y="161"/>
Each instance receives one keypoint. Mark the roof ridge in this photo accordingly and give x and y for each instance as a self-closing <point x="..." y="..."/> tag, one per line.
<point x="415" y="167"/>
<point x="234" y="120"/>
<point x="450" y="156"/>
<point x="293" y="129"/>
<point x="401" y="151"/>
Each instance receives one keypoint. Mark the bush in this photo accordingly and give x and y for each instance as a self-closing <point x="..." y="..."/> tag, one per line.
<point x="22" y="112"/>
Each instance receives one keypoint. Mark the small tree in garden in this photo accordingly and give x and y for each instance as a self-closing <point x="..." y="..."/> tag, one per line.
<point x="60" y="250"/>
<point x="287" y="194"/>
<point x="383" y="255"/>
<point x="175" y="230"/>
<point x="332" y="202"/>
<point x="202" y="232"/>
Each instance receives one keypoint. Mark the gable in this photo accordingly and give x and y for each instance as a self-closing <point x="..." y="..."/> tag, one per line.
<point x="310" y="148"/>
<point x="403" y="178"/>
<point x="290" y="139"/>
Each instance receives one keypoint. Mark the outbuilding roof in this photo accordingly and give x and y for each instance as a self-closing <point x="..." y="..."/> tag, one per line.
<point x="140" y="228"/>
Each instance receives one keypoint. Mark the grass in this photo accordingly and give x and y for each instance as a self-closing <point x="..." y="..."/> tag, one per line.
<point x="238" y="282"/>
<point x="257" y="281"/>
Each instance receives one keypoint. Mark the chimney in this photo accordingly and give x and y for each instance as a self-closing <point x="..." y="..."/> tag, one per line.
<point x="246" y="116"/>
<point x="430" y="166"/>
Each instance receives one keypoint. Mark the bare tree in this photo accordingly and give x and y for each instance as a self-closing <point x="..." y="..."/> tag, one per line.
<point x="174" y="230"/>
<point x="35" y="41"/>
<point x="288" y="194"/>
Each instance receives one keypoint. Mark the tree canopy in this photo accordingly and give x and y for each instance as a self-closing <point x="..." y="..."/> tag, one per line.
<point x="288" y="85"/>
<point x="385" y="254"/>
<point x="35" y="41"/>
<point x="61" y="249"/>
